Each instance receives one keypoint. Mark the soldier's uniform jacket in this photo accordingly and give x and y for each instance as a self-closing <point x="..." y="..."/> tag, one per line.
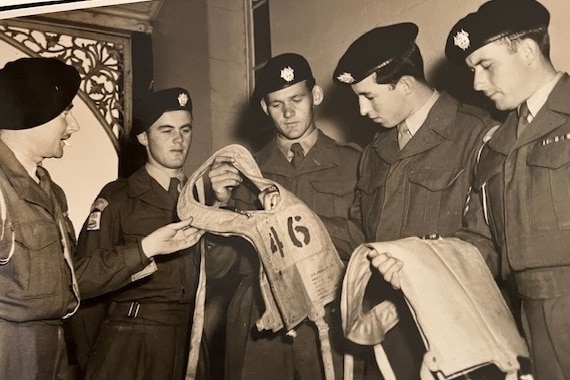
<point x="421" y="189"/>
<point x="35" y="281"/>
<point x="532" y="230"/>
<point x="124" y="213"/>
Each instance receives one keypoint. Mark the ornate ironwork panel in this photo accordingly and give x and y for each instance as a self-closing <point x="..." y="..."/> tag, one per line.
<point x="103" y="60"/>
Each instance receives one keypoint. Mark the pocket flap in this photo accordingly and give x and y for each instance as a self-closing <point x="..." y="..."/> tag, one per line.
<point x="434" y="179"/>
<point x="333" y="186"/>
<point x="36" y="235"/>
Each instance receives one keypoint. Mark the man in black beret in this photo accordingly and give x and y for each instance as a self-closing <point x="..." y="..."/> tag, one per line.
<point x="519" y="214"/>
<point x="39" y="288"/>
<point x="320" y="172"/>
<point x="416" y="173"/>
<point x="133" y="249"/>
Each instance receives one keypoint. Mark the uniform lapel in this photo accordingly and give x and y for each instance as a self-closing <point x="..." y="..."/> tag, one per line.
<point x="23" y="184"/>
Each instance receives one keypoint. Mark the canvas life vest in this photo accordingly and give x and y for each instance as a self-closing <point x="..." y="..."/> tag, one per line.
<point x="460" y="312"/>
<point x="301" y="271"/>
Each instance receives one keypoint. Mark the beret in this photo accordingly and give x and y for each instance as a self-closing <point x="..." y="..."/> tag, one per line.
<point x="494" y="20"/>
<point x="35" y="91"/>
<point x="159" y="102"/>
<point x="375" y="49"/>
<point x="280" y="72"/>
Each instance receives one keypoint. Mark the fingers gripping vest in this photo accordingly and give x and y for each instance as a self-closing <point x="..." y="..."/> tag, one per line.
<point x="301" y="270"/>
<point x="457" y="306"/>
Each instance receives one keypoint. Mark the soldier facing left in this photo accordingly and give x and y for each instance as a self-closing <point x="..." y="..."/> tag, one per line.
<point x="38" y="287"/>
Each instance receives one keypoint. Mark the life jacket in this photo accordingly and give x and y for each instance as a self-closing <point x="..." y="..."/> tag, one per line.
<point x="301" y="271"/>
<point x="459" y="310"/>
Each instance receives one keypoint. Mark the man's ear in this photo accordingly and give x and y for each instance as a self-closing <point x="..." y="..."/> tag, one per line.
<point x="407" y="84"/>
<point x="318" y="94"/>
<point x="143" y="138"/>
<point x="263" y="106"/>
<point x="529" y="50"/>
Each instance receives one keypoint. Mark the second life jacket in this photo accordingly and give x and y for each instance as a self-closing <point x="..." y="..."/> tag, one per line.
<point x="458" y="308"/>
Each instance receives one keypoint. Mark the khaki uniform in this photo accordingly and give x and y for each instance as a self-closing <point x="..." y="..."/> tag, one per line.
<point x="35" y="280"/>
<point x="522" y="191"/>
<point x="145" y="332"/>
<point x="417" y="191"/>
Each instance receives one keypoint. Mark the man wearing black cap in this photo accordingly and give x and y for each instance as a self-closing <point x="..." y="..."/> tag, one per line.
<point x="322" y="174"/>
<point x="37" y="281"/>
<point x="415" y="175"/>
<point x="131" y="226"/>
<point x="519" y="214"/>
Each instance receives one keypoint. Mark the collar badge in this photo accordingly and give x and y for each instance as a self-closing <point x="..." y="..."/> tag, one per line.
<point x="182" y="99"/>
<point x="345" y="78"/>
<point x="461" y="40"/>
<point x="288" y="74"/>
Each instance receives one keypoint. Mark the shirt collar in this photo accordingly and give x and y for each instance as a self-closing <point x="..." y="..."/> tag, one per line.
<point x="415" y="121"/>
<point x="537" y="100"/>
<point x="162" y="177"/>
<point x="306" y="142"/>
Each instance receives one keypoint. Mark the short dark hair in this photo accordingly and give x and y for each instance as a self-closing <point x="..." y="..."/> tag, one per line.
<point x="410" y="63"/>
<point x="539" y="35"/>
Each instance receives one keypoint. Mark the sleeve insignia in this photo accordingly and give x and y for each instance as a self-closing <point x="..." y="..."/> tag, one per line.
<point x="94" y="221"/>
<point x="100" y="204"/>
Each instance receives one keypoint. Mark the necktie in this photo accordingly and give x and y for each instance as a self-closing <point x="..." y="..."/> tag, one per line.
<point x="173" y="188"/>
<point x="41" y="173"/>
<point x="298" y="155"/>
<point x="404" y="134"/>
<point x="523" y="118"/>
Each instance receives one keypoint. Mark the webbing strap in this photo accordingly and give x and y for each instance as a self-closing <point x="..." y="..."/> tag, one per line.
<point x="199" y="304"/>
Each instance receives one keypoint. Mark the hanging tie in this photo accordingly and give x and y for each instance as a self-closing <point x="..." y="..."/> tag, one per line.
<point x="42" y="175"/>
<point x="174" y="191"/>
<point x="523" y="113"/>
<point x="404" y="134"/>
<point x="298" y="155"/>
<point x="174" y="188"/>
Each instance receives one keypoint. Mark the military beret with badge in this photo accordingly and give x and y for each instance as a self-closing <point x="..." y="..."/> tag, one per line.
<point x="378" y="49"/>
<point x="494" y="20"/>
<point x="35" y="91"/>
<point x="280" y="72"/>
<point x="159" y="102"/>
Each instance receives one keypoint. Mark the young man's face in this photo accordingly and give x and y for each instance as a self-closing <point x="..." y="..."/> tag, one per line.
<point x="291" y="109"/>
<point x="384" y="104"/>
<point x="167" y="140"/>
<point x="500" y="74"/>
<point x="50" y="138"/>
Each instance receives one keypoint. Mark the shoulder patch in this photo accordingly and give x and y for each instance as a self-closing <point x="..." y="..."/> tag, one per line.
<point x="94" y="221"/>
<point x="99" y="205"/>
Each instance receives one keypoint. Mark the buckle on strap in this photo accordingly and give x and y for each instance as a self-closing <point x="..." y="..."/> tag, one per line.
<point x="134" y="310"/>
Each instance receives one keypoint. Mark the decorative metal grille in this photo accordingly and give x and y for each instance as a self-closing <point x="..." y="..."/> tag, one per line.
<point x="102" y="60"/>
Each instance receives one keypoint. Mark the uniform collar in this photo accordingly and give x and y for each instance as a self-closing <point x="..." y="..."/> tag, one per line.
<point x="538" y="99"/>
<point x="162" y="177"/>
<point x="416" y="120"/>
<point x="306" y="142"/>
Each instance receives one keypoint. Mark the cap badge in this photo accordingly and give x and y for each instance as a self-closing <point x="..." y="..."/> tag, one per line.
<point x="345" y="78"/>
<point x="288" y="74"/>
<point x="182" y="99"/>
<point x="461" y="40"/>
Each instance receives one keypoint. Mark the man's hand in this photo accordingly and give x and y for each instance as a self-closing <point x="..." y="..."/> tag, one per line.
<point x="171" y="238"/>
<point x="387" y="266"/>
<point x="224" y="176"/>
<point x="269" y="198"/>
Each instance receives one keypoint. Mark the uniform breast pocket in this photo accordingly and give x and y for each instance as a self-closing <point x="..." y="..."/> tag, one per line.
<point x="436" y="199"/>
<point x="37" y="261"/>
<point x="332" y="197"/>
<point x="549" y="167"/>
<point x="371" y="191"/>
